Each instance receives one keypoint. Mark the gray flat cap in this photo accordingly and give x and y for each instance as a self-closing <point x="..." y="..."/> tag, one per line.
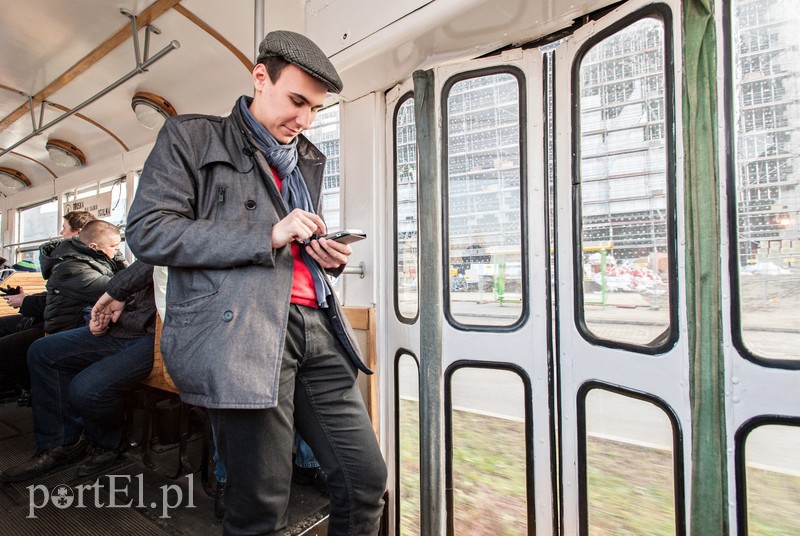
<point x="303" y="52"/>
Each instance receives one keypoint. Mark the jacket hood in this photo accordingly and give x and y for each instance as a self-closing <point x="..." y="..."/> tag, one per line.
<point x="55" y="251"/>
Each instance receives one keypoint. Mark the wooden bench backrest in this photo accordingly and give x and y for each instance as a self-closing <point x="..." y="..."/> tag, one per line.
<point x="363" y="321"/>
<point x="31" y="283"/>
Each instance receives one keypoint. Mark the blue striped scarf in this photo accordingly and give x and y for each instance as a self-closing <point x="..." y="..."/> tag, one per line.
<point x="283" y="159"/>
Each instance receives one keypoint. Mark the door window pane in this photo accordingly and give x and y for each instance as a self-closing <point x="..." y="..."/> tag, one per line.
<point x="630" y="480"/>
<point x="484" y="201"/>
<point x="624" y="209"/>
<point x="773" y="480"/>
<point x="488" y="452"/>
<point x="406" y="247"/>
<point x="766" y="174"/>
<point x="408" y="441"/>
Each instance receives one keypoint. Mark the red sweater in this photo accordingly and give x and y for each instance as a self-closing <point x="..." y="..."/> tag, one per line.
<point x="303" y="292"/>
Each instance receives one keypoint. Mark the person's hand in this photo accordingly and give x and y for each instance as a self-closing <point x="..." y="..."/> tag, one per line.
<point x="105" y="311"/>
<point x="329" y="254"/>
<point x="298" y="225"/>
<point x="15" y="300"/>
<point x="96" y="328"/>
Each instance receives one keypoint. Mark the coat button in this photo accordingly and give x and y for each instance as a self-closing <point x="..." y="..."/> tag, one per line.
<point x="248" y="151"/>
<point x="227" y="316"/>
<point x="250" y="204"/>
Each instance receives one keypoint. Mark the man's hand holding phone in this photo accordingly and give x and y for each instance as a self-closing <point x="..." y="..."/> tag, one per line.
<point x="332" y="250"/>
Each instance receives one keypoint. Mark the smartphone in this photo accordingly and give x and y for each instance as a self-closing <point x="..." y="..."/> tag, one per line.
<point x="346" y="236"/>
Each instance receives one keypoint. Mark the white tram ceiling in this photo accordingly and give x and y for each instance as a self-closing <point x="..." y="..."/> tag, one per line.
<point x="72" y="51"/>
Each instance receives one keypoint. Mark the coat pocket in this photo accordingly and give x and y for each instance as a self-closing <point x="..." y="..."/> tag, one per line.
<point x="189" y="342"/>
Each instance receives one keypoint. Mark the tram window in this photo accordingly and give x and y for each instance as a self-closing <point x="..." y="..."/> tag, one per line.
<point x="629" y="476"/>
<point x="325" y="135"/>
<point x="773" y="480"/>
<point x="407" y="404"/>
<point x="624" y="188"/>
<point x="486" y="283"/>
<point x="38" y="222"/>
<point x="765" y="175"/>
<point x="487" y="431"/>
<point x="405" y="207"/>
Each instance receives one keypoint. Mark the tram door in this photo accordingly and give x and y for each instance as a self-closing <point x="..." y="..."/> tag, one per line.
<point x="476" y="350"/>
<point x="624" y="367"/>
<point x="622" y="352"/>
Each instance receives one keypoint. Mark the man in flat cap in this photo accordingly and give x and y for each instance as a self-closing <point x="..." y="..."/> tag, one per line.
<point x="253" y="331"/>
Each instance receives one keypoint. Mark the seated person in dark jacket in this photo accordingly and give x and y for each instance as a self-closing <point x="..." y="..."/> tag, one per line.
<point x="71" y="226"/>
<point x="79" y="379"/>
<point x="77" y="270"/>
<point x="17" y="332"/>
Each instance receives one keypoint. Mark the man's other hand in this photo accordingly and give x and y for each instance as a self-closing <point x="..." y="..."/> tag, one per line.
<point x="329" y="254"/>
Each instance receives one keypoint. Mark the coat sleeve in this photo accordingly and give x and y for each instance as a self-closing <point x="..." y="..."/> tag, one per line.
<point x="33" y="306"/>
<point x="125" y="283"/>
<point x="163" y="227"/>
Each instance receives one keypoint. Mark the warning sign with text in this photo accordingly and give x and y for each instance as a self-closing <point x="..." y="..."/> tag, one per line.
<point x="99" y="205"/>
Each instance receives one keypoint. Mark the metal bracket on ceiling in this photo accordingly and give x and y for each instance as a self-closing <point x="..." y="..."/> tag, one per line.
<point x="148" y="29"/>
<point x="141" y="67"/>
<point x="41" y="111"/>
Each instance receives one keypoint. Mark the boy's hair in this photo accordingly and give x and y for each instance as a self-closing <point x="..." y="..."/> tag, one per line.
<point x="98" y="231"/>
<point x="275" y="66"/>
<point x="77" y="219"/>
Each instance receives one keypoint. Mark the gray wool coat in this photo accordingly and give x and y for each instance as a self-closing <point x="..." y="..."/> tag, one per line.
<point x="205" y="207"/>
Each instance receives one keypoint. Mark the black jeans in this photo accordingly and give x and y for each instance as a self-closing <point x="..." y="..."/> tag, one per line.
<point x="319" y="396"/>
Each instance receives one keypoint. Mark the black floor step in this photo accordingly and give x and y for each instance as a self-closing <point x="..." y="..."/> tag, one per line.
<point x="146" y="500"/>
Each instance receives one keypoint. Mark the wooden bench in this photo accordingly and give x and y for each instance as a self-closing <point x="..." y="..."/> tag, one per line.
<point x="31" y="283"/>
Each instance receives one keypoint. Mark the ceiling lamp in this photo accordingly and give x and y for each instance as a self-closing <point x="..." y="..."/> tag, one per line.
<point x="63" y="153"/>
<point x="151" y="110"/>
<point x="11" y="178"/>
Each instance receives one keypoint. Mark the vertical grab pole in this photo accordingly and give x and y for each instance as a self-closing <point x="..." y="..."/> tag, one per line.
<point x="258" y="26"/>
<point x="431" y="437"/>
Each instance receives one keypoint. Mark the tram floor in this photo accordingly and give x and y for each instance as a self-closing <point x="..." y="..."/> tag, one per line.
<point x="128" y="498"/>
